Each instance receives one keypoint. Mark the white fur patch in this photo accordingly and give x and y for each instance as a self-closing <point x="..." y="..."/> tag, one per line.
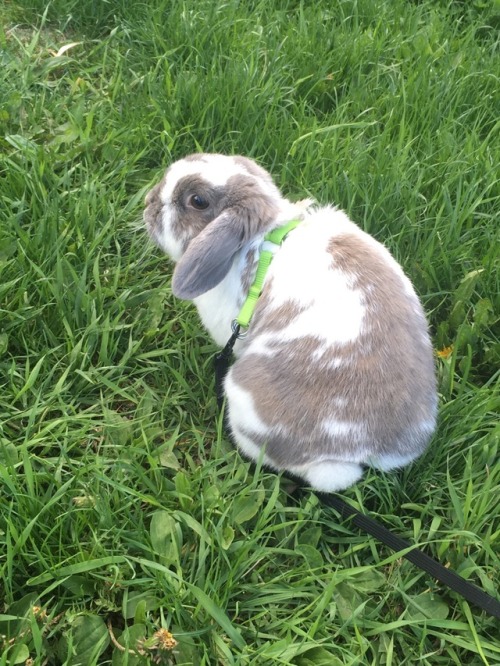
<point x="219" y="306"/>
<point x="249" y="448"/>
<point x="330" y="476"/>
<point x="327" y="292"/>
<point x="260" y="345"/>
<point x="319" y="319"/>
<point x="242" y="413"/>
<point x="302" y="272"/>
<point x="333" y="363"/>
<point x="165" y="238"/>
<point x="216" y="171"/>
<point x="335" y="428"/>
<point x="391" y="461"/>
<point x="428" y="425"/>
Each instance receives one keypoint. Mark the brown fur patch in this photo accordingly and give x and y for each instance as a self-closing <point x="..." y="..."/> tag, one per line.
<point x="153" y="206"/>
<point x="276" y="320"/>
<point x="384" y="381"/>
<point x="188" y="222"/>
<point x="253" y="169"/>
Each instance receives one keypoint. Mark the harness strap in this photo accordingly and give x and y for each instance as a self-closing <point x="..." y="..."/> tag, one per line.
<point x="269" y="247"/>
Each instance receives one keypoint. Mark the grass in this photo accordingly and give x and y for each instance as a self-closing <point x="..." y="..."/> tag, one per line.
<point x="123" y="508"/>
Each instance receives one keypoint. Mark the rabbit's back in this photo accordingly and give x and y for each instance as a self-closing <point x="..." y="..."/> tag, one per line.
<point x="338" y="362"/>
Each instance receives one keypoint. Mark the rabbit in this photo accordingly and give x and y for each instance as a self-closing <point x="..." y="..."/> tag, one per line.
<point x="336" y="369"/>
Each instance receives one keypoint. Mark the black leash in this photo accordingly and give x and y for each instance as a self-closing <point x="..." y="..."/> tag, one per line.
<point x="448" y="577"/>
<point x="455" y="582"/>
<point x="221" y="364"/>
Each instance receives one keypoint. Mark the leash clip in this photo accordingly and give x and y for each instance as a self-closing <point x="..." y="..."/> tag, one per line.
<point x="236" y="329"/>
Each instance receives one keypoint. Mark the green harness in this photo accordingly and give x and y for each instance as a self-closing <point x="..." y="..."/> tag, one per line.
<point x="271" y="244"/>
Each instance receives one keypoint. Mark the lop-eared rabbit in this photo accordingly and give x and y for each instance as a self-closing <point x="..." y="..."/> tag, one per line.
<point x="336" y="369"/>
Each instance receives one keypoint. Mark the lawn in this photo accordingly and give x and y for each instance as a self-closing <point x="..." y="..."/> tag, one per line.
<point x="130" y="531"/>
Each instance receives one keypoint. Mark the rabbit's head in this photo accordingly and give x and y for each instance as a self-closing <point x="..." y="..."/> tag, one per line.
<point x="205" y="209"/>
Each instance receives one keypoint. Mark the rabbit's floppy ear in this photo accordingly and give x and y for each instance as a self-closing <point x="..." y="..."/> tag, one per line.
<point x="209" y="256"/>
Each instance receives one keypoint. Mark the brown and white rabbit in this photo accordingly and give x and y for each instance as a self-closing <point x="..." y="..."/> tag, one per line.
<point x="336" y="370"/>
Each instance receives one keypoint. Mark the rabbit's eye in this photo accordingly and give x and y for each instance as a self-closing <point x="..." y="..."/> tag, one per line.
<point x="198" y="202"/>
